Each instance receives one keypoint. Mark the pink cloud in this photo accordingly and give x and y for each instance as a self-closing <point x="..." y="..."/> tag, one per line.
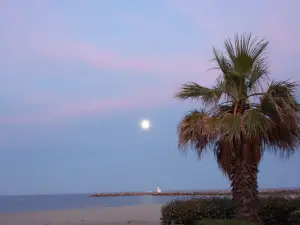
<point x="94" y="56"/>
<point x="57" y="108"/>
<point x="56" y="42"/>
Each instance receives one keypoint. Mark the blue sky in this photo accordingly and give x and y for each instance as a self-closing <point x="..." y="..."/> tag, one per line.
<point x="76" y="77"/>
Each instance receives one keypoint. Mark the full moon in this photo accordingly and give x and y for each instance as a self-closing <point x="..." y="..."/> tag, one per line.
<point x="145" y="124"/>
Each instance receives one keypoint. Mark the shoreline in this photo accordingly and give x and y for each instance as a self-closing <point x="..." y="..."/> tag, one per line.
<point x="295" y="191"/>
<point x="133" y="215"/>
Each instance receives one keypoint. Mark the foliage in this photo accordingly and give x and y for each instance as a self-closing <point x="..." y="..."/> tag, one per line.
<point x="242" y="117"/>
<point x="222" y="222"/>
<point x="241" y="107"/>
<point x="274" y="210"/>
<point x="295" y="218"/>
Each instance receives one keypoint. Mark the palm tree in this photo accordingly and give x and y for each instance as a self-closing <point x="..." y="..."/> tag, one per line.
<point x="243" y="117"/>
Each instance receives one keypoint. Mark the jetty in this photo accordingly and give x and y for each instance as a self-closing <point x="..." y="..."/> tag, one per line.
<point x="263" y="192"/>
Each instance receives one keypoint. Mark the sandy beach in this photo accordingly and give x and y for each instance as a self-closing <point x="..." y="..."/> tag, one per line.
<point x="133" y="215"/>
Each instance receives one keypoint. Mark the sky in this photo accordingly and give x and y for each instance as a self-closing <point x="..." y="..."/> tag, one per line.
<point x="76" y="78"/>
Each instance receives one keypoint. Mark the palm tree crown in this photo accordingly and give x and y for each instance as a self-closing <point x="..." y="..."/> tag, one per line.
<point x="243" y="109"/>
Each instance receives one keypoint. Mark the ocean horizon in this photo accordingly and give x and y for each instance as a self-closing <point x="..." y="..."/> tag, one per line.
<point x="35" y="203"/>
<point x="45" y="202"/>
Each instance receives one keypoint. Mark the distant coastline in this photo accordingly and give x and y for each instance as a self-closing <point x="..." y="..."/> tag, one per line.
<point x="274" y="191"/>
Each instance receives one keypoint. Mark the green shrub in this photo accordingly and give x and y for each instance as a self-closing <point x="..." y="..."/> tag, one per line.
<point x="222" y="222"/>
<point x="274" y="210"/>
<point x="186" y="211"/>
<point x="277" y="210"/>
<point x="295" y="218"/>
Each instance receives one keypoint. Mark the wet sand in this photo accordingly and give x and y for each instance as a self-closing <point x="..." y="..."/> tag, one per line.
<point x="133" y="215"/>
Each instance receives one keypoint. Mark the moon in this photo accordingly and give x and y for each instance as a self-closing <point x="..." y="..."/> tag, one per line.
<point x="145" y="124"/>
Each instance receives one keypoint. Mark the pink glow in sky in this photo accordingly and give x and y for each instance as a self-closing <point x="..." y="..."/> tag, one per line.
<point x="42" y="53"/>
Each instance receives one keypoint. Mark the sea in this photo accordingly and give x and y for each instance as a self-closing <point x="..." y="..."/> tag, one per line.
<point x="34" y="203"/>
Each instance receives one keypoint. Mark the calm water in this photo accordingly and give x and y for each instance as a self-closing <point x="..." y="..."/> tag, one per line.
<point x="73" y="201"/>
<point x="32" y="203"/>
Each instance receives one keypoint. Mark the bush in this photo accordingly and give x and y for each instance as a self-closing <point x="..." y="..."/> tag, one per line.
<point x="187" y="211"/>
<point x="222" y="222"/>
<point x="274" y="210"/>
<point x="277" y="210"/>
<point x="295" y="218"/>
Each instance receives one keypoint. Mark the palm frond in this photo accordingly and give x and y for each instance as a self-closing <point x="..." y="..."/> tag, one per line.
<point x="227" y="154"/>
<point x="280" y="105"/>
<point x="283" y="140"/>
<point x="235" y="139"/>
<point x="284" y="90"/>
<point x="244" y="59"/>
<point x="245" y="51"/>
<point x="244" y="63"/>
<point x="195" y="91"/>
<point x="227" y="86"/>
<point x="223" y="63"/>
<point x="196" y="130"/>
<point x="249" y="66"/>
<point x="222" y="109"/>
<point x="258" y="74"/>
<point x="256" y="124"/>
<point x="231" y="127"/>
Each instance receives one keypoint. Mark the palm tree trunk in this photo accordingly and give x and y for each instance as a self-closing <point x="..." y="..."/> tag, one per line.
<point x="245" y="191"/>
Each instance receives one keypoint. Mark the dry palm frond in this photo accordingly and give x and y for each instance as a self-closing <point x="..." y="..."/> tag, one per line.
<point x="236" y="124"/>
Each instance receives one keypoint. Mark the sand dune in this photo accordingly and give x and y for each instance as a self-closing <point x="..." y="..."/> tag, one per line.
<point x="133" y="215"/>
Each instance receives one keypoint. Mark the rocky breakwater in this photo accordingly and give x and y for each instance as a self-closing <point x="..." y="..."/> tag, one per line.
<point x="178" y="193"/>
<point x="262" y="192"/>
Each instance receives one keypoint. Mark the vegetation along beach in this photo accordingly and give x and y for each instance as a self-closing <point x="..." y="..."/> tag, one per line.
<point x="245" y="117"/>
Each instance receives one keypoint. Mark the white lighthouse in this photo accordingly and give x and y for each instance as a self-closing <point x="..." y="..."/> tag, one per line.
<point x="158" y="189"/>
